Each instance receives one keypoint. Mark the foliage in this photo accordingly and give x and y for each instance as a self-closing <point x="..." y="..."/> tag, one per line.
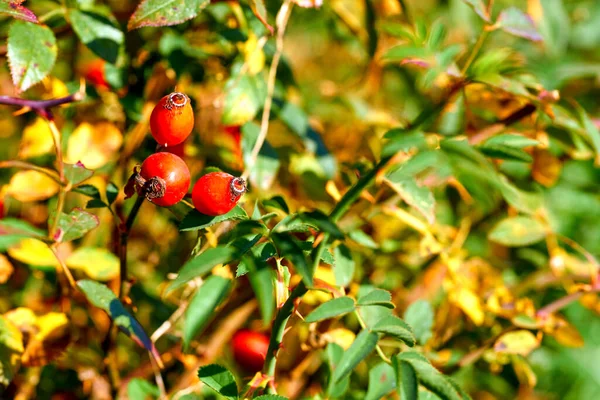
<point x="421" y="220"/>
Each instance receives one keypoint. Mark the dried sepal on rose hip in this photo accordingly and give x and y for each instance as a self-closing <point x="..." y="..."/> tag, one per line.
<point x="172" y="119"/>
<point x="216" y="193"/>
<point x="163" y="179"/>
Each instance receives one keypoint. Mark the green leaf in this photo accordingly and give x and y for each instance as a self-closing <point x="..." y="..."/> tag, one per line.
<point x="140" y="389"/>
<point x="344" y="265"/>
<point x="270" y="397"/>
<point x="11" y="344"/>
<point x="516" y="22"/>
<point x="112" y="191"/>
<point x="96" y="203"/>
<point x="203" y="306"/>
<point x="77" y="173"/>
<point x="31" y="53"/>
<point x="102" y="297"/>
<point x="407" y="385"/>
<point x="430" y="377"/>
<point x="363" y="239"/>
<point x="277" y="202"/>
<point x="12" y="231"/>
<point x="290" y="248"/>
<point x="508" y="147"/>
<point x="332" y="308"/>
<point x="321" y="221"/>
<point x="261" y="277"/>
<point x="419" y="316"/>
<point x="16" y="10"/>
<point x="245" y="97"/>
<point x="88" y="190"/>
<point x="377" y="297"/>
<point x="518" y="231"/>
<point x="417" y="196"/>
<point x="362" y="346"/>
<point x="195" y="220"/>
<point x="526" y="202"/>
<point x="219" y="379"/>
<point x="165" y="12"/>
<point x="261" y="252"/>
<point x="75" y="225"/>
<point x="98" y="33"/>
<point x="479" y="8"/>
<point x="382" y="380"/>
<point x="512" y="140"/>
<point x="593" y="134"/>
<point x="201" y="264"/>
<point x="334" y="354"/>
<point x="396" y="327"/>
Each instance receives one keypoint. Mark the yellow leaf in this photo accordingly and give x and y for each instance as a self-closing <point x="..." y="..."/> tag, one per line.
<point x="11" y="342"/>
<point x="524" y="372"/>
<point x="33" y="252"/>
<point x="520" y="342"/>
<point x="36" y="140"/>
<point x="314" y="297"/>
<point x="55" y="88"/>
<point x="253" y="55"/>
<point x="470" y="304"/>
<point x="94" y="145"/>
<point x="23" y="318"/>
<point x="340" y="336"/>
<point x="98" y="263"/>
<point x="6" y="269"/>
<point x="31" y="186"/>
<point x="51" y="340"/>
<point x="50" y="322"/>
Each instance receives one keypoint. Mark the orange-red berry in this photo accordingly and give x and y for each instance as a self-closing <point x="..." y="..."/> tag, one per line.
<point x="216" y="193"/>
<point x="95" y="73"/>
<point x="172" y="119"/>
<point x="173" y="174"/>
<point x="250" y="349"/>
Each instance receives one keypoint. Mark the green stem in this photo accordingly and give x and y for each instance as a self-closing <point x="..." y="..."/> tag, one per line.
<point x="51" y="13"/>
<point x="32" y="167"/>
<point x="475" y="51"/>
<point x="363" y="325"/>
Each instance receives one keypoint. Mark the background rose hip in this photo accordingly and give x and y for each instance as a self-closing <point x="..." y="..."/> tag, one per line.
<point x="172" y="119"/>
<point x="216" y="193"/>
<point x="250" y="349"/>
<point x="173" y="171"/>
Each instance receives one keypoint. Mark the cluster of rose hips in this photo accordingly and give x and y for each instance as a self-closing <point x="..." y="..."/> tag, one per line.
<point x="164" y="178"/>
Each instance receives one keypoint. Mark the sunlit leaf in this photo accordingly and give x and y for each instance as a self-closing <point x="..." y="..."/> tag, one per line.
<point x="479" y="8"/>
<point x="30" y="185"/>
<point x="77" y="173"/>
<point x="98" y="263"/>
<point x="31" y="53"/>
<point x="518" y="231"/>
<point x="267" y="164"/>
<point x="407" y="385"/>
<point x="343" y="266"/>
<point x="430" y="377"/>
<point x="165" y="13"/>
<point x="12" y="231"/>
<point x="93" y="145"/>
<point x="36" y="140"/>
<point x="517" y="342"/>
<point x="203" y="305"/>
<point x="332" y="308"/>
<point x="11" y="342"/>
<point x="33" y="252"/>
<point x="138" y="388"/>
<point x="52" y="337"/>
<point x="219" y="379"/>
<point x="98" y="33"/>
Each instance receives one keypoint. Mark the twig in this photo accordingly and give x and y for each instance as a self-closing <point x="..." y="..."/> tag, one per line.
<point x="42" y="107"/>
<point x="28" y="166"/>
<point x="475" y="51"/>
<point x="281" y="22"/>
<point x="56" y="137"/>
<point x="64" y="268"/>
<point x="159" y="380"/>
<point x="168" y="324"/>
<point x="363" y="325"/>
<point x="497" y="127"/>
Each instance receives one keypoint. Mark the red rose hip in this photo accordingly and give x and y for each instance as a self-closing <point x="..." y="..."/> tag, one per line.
<point x="172" y="119"/>
<point x="216" y="193"/>
<point x="172" y="174"/>
<point x="250" y="349"/>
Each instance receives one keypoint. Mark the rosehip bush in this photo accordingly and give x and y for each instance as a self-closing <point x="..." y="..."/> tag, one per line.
<point x="299" y="199"/>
